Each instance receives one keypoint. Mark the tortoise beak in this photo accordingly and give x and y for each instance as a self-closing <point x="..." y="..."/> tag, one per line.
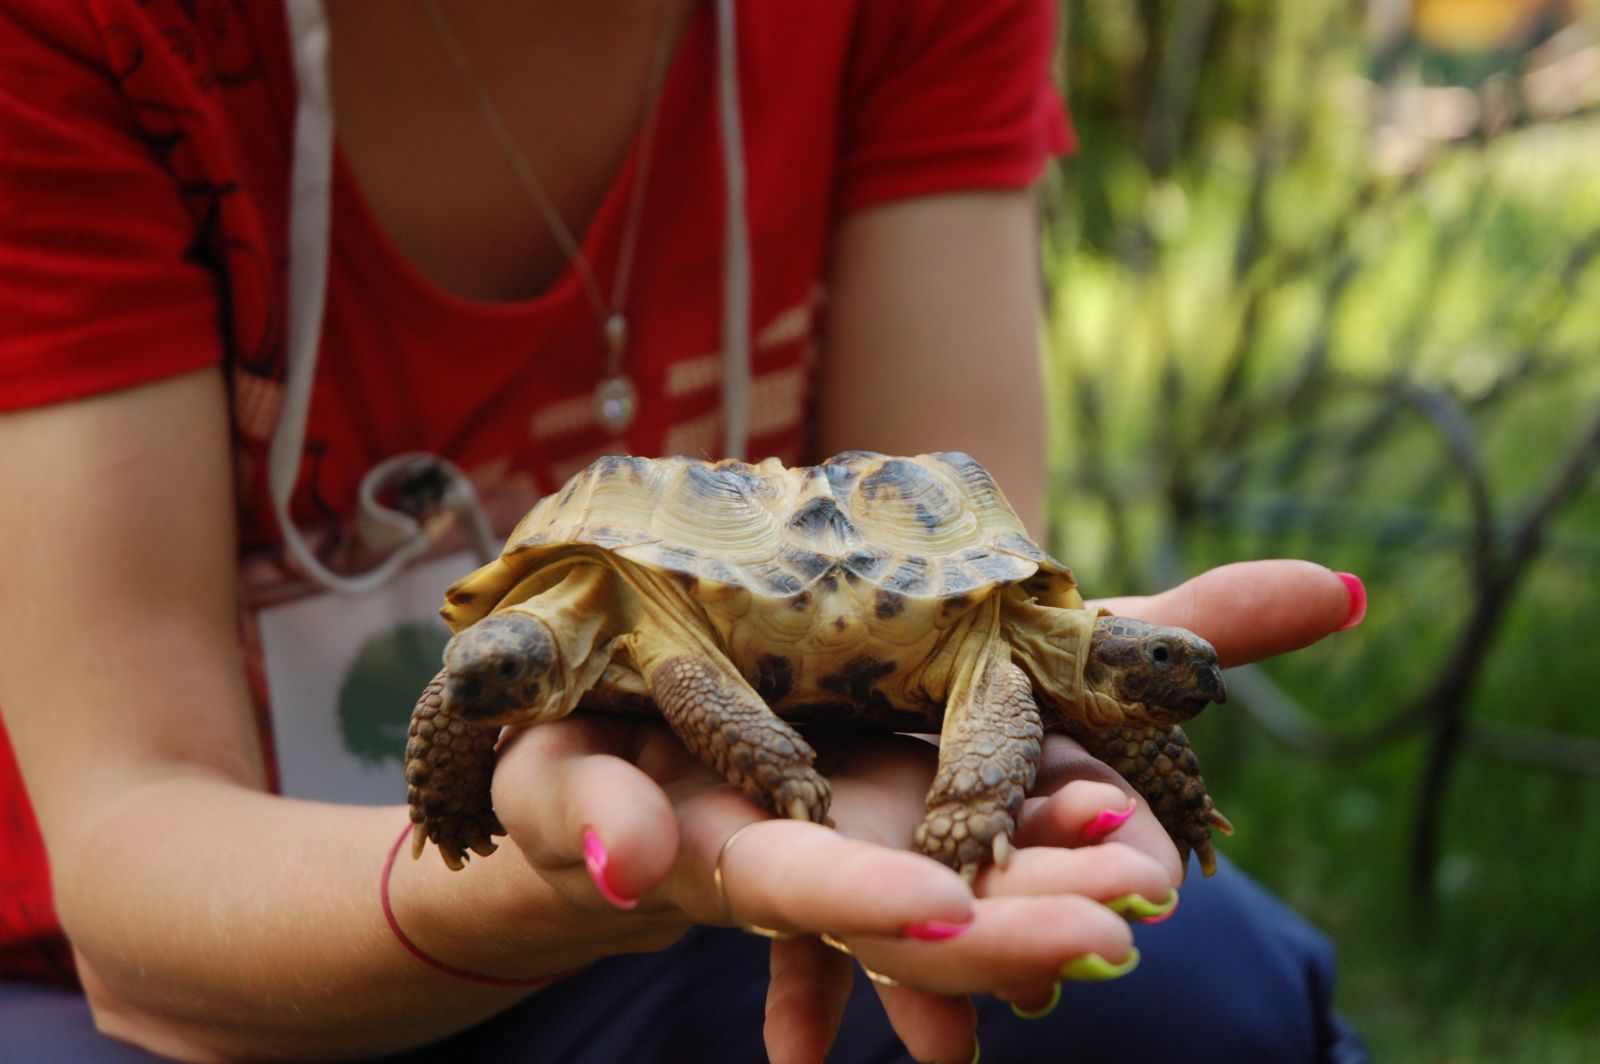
<point x="1209" y="683"/>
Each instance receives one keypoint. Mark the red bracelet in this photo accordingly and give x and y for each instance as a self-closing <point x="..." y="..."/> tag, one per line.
<point x="434" y="963"/>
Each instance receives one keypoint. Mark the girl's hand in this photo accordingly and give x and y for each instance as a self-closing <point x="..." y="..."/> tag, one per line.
<point x="616" y="816"/>
<point x="1249" y="611"/>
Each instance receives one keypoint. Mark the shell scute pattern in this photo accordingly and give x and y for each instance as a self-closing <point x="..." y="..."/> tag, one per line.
<point x="929" y="528"/>
<point x="821" y="522"/>
<point x="867" y="563"/>
<point x="911" y="577"/>
<point x="911" y="502"/>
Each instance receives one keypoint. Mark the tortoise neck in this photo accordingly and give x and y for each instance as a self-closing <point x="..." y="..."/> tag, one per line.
<point x="1052" y="646"/>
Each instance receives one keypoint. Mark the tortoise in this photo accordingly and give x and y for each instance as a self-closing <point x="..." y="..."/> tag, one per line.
<point x="739" y="600"/>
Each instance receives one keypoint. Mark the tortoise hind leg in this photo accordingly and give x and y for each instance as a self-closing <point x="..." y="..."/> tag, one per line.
<point x="1157" y="760"/>
<point x="449" y="763"/>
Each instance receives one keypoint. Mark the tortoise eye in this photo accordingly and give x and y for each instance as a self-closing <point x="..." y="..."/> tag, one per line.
<point x="509" y="667"/>
<point x="1160" y="653"/>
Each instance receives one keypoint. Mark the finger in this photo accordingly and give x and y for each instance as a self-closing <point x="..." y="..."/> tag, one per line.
<point x="1034" y="1001"/>
<point x="806" y="999"/>
<point x="1014" y="941"/>
<point x="1254" y="610"/>
<point x="1103" y="873"/>
<point x="1058" y="817"/>
<point x="933" y="1027"/>
<point x="565" y="796"/>
<point x="797" y="876"/>
<point x="1085" y="811"/>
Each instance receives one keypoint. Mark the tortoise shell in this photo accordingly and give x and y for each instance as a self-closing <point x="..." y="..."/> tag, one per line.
<point x="922" y="538"/>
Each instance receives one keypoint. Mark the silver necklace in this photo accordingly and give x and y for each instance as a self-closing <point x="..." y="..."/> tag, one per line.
<point x="615" y="398"/>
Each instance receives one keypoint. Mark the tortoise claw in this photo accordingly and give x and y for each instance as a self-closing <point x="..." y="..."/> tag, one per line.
<point x="1002" y="851"/>
<point x="804" y="794"/>
<point x="965" y="836"/>
<point x="419" y="839"/>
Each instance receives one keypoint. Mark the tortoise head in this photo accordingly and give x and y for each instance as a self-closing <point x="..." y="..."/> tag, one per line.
<point x="1159" y="675"/>
<point x="501" y="670"/>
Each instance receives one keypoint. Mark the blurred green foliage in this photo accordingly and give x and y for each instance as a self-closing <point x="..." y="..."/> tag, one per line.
<point x="1284" y="323"/>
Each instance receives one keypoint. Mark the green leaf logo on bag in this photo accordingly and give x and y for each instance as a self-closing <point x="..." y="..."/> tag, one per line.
<point x="381" y="685"/>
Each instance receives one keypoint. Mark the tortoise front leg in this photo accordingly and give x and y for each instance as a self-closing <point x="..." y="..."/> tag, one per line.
<point x="1157" y="760"/>
<point x="526" y="663"/>
<point x="449" y="765"/>
<point x="723" y="721"/>
<point x="988" y="760"/>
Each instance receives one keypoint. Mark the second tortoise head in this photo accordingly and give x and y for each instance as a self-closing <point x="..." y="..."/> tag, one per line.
<point x="1160" y="675"/>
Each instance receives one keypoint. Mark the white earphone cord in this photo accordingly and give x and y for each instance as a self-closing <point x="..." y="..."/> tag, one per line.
<point x="311" y="183"/>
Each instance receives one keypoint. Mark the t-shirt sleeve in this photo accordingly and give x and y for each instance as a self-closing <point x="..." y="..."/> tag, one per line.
<point x="947" y="95"/>
<point x="99" y="287"/>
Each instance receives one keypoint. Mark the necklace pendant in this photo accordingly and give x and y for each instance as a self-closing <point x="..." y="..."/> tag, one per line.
<point x="615" y="331"/>
<point x="615" y="403"/>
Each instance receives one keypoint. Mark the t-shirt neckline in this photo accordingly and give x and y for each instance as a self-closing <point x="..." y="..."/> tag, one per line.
<point x="355" y="221"/>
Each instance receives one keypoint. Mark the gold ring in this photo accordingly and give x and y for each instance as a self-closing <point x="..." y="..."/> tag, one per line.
<point x="876" y="977"/>
<point x="722" y="891"/>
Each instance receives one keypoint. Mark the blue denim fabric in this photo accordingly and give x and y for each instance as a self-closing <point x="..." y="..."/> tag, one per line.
<point x="1235" y="976"/>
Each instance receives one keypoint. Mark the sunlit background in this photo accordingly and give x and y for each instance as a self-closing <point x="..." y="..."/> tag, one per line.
<point x="1323" y="282"/>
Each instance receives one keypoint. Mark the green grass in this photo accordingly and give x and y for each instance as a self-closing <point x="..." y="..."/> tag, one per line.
<point x="1503" y="967"/>
<point x="1453" y="285"/>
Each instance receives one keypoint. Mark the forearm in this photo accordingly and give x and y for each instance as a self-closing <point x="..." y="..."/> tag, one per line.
<point x="219" y="922"/>
<point x="932" y="338"/>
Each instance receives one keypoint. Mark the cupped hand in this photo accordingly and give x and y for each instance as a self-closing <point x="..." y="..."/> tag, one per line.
<point x="1249" y="611"/>
<point x="663" y="822"/>
<point x="615" y="815"/>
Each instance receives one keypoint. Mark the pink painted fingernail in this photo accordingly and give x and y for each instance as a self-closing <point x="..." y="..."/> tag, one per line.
<point x="1358" y="600"/>
<point x="1106" y="821"/>
<point x="938" y="930"/>
<point x="595" y="859"/>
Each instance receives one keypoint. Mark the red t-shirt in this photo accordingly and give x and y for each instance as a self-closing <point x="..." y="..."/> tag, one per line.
<point x="145" y="148"/>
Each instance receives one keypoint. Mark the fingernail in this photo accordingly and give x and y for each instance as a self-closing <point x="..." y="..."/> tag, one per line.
<point x="595" y="859"/>
<point x="1106" y="821"/>
<point x="1138" y="907"/>
<point x="938" y="930"/>
<point x="1042" y="1012"/>
<point x="1162" y="917"/>
<point x="1358" y="600"/>
<point x="1093" y="968"/>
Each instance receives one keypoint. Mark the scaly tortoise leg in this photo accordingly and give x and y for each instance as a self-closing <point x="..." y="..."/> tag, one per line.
<point x="721" y="719"/>
<point x="988" y="760"/>
<point x="1157" y="760"/>
<point x="449" y="763"/>
<point x="528" y="662"/>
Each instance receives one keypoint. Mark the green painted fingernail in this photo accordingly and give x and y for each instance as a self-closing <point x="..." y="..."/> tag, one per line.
<point x="1040" y="1013"/>
<point x="1138" y="907"/>
<point x="1093" y="968"/>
